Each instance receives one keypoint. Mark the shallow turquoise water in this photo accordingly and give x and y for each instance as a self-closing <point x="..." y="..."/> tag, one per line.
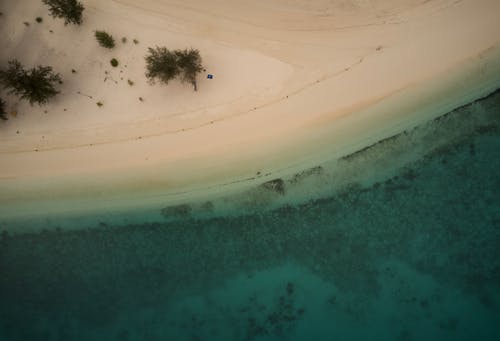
<point x="413" y="257"/>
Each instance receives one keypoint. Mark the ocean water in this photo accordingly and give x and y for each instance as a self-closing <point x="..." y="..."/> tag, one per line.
<point x="383" y="250"/>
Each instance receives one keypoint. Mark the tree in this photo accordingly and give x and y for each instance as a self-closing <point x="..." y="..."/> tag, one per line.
<point x="165" y="65"/>
<point x="189" y="62"/>
<point x="35" y="85"/>
<point x="104" y="39"/>
<point x="3" y="113"/>
<point x="69" y="10"/>
<point x="161" y="64"/>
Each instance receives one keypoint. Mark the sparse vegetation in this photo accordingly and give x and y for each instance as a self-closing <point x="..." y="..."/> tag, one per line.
<point x="3" y="113"/>
<point x="69" y="10"/>
<point x="39" y="19"/>
<point x="114" y="62"/>
<point x="165" y="65"/>
<point x="104" y="39"/>
<point x="35" y="85"/>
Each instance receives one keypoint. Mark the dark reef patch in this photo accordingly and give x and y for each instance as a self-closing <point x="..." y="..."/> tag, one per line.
<point x="177" y="211"/>
<point x="276" y="185"/>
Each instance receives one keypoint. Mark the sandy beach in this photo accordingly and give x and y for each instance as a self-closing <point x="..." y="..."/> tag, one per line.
<point x="294" y="83"/>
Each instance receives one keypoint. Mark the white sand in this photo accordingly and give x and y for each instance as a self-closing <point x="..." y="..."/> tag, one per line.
<point x="294" y="82"/>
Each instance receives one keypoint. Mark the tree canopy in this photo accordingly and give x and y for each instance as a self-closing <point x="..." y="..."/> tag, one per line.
<point x="3" y="113"/>
<point x="189" y="62"/>
<point x="35" y="85"/>
<point x="161" y="64"/>
<point x="69" y="10"/>
<point x="164" y="65"/>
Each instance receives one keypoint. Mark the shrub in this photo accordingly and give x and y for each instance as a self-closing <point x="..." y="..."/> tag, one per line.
<point x="69" y="10"/>
<point x="124" y="40"/>
<point x="136" y="41"/>
<point x="99" y="104"/>
<point x="114" y="62"/>
<point x="104" y="39"/>
<point x="35" y="85"/>
<point x="26" y="23"/>
<point x="3" y="113"/>
<point x="130" y="82"/>
<point x="39" y="19"/>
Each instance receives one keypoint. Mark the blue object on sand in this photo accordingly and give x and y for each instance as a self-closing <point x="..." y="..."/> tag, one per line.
<point x="209" y="76"/>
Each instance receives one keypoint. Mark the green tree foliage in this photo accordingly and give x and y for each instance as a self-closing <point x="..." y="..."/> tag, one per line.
<point x="69" y="10"/>
<point x="104" y="39"/>
<point x="161" y="64"/>
<point x="165" y="65"/>
<point x="3" y="113"/>
<point x="35" y="85"/>
<point x="189" y="62"/>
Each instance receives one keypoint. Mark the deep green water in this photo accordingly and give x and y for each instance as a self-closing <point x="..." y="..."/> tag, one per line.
<point x="413" y="257"/>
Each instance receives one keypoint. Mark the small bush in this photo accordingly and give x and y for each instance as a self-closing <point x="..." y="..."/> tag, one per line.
<point x="136" y="41"/>
<point x="130" y="82"/>
<point x="124" y="40"/>
<point x="104" y="39"/>
<point x="114" y="62"/>
<point x="39" y="19"/>
<point x="26" y="23"/>
<point x="99" y="104"/>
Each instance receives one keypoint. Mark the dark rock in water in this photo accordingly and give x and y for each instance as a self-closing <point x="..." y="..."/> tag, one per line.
<point x="178" y="211"/>
<point x="307" y="173"/>
<point x="276" y="185"/>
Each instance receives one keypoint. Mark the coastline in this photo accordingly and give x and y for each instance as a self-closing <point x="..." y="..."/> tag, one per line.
<point x="102" y="178"/>
<point x="364" y="168"/>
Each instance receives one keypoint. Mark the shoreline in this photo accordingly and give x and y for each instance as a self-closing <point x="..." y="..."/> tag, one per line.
<point x="326" y="117"/>
<point x="271" y="197"/>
